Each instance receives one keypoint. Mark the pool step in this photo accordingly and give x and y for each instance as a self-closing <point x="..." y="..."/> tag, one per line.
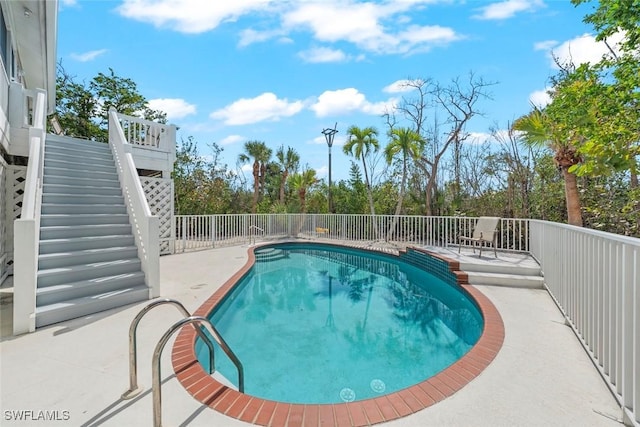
<point x="501" y="279"/>
<point x="507" y="269"/>
<point x="270" y="254"/>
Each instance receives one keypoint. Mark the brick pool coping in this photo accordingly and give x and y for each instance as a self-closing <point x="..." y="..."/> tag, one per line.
<point x="255" y="410"/>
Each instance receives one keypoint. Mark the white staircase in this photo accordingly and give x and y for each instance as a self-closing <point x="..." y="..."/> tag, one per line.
<point x="88" y="260"/>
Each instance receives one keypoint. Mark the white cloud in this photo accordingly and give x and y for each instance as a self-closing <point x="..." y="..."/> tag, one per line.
<point x="175" y="108"/>
<point x="342" y="101"/>
<point x="383" y="27"/>
<point x="68" y="3"/>
<point x="540" y="98"/>
<point x="338" y="140"/>
<point x="323" y="54"/>
<point x="250" y="36"/>
<point x="478" y="137"/>
<point x="362" y="25"/>
<point x="189" y="16"/>
<point x="88" y="56"/>
<point x="507" y="9"/>
<point x="545" y="45"/>
<point x="232" y="139"/>
<point x="583" y="49"/>
<point x="404" y="85"/>
<point x="318" y="140"/>
<point x="322" y="172"/>
<point x="265" y="107"/>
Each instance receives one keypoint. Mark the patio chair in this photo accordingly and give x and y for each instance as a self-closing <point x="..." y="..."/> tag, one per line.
<point x="485" y="232"/>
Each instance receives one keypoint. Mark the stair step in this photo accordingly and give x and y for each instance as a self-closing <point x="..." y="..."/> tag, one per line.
<point x="55" y="171"/>
<point x="58" y="208"/>
<point x="105" y="159"/>
<point x="59" y="141"/>
<point x="81" y="189"/>
<point x="76" y="273"/>
<point x="84" y="243"/>
<point x="81" y="199"/>
<point x="510" y="280"/>
<point x="71" y="309"/>
<point x="81" y="182"/>
<point x="67" y="291"/>
<point x="68" y="231"/>
<point x="83" y="166"/>
<point x="82" y="219"/>
<point x="97" y="152"/>
<point x="87" y="256"/>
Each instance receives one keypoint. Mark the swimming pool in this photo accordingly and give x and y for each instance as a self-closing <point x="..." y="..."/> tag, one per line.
<point x="376" y="407"/>
<point x="325" y="324"/>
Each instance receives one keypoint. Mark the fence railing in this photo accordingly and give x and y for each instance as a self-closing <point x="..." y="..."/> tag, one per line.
<point x="593" y="277"/>
<point x="195" y="232"/>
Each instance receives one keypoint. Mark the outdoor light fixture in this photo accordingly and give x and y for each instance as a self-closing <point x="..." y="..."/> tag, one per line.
<point x="27" y="12"/>
<point x="328" y="135"/>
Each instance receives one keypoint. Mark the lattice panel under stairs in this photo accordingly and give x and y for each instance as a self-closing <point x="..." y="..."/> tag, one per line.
<point x="13" y="187"/>
<point x="159" y="193"/>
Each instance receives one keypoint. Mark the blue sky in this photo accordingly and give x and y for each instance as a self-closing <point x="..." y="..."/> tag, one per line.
<point x="282" y="71"/>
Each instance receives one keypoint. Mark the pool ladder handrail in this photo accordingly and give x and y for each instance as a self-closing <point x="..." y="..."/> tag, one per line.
<point x="135" y="389"/>
<point x="253" y="235"/>
<point x="156" y="375"/>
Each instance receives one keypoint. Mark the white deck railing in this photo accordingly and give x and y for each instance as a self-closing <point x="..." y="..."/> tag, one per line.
<point x="152" y="135"/>
<point x="152" y="144"/>
<point x="207" y="231"/>
<point x="27" y="227"/>
<point x="145" y="226"/>
<point x="593" y="276"/>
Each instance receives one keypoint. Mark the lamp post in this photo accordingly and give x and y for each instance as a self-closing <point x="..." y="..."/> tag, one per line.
<point x="328" y="135"/>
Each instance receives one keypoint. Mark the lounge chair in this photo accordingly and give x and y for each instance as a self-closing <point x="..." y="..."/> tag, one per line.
<point x="485" y="232"/>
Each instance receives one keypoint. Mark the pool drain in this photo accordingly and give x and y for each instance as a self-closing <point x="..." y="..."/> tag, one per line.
<point x="347" y="395"/>
<point x="378" y="386"/>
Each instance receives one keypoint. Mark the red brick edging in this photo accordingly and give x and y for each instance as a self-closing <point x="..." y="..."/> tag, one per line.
<point x="361" y="413"/>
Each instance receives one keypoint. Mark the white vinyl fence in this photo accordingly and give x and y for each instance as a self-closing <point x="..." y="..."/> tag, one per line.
<point x="593" y="276"/>
<point x="195" y="232"/>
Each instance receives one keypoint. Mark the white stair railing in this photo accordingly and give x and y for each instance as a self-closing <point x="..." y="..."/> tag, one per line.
<point x="145" y="226"/>
<point x="27" y="227"/>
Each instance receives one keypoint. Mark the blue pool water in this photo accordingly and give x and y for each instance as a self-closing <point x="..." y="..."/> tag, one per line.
<point x="324" y="324"/>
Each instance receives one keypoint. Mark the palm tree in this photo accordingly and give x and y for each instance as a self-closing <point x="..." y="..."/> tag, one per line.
<point x="288" y="162"/>
<point x="302" y="182"/>
<point x="408" y="144"/>
<point x="539" y="130"/>
<point x="260" y="153"/>
<point x="360" y="143"/>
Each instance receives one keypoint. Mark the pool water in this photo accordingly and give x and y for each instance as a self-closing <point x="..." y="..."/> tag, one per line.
<point x="323" y="324"/>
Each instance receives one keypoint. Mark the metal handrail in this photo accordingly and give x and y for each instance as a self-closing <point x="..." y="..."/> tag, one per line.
<point x="134" y="388"/>
<point x="156" y="375"/>
<point x="253" y="235"/>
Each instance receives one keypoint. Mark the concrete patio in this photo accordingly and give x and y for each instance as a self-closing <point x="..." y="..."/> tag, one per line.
<point x="541" y="377"/>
